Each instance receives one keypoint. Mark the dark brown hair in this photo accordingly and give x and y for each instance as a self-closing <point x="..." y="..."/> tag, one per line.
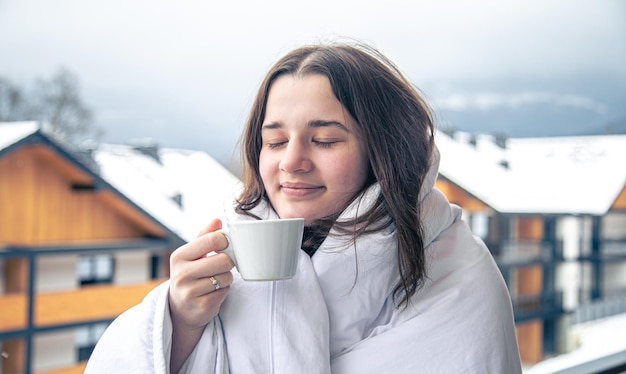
<point x="396" y="128"/>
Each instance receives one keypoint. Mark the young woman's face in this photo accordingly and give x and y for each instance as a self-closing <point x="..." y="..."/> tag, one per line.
<point x="312" y="161"/>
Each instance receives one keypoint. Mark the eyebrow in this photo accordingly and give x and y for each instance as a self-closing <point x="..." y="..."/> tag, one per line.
<point x="312" y="124"/>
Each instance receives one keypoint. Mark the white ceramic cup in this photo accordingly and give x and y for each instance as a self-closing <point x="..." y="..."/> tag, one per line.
<point x="265" y="250"/>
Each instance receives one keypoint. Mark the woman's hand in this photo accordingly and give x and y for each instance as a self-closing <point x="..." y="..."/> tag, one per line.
<point x="193" y="298"/>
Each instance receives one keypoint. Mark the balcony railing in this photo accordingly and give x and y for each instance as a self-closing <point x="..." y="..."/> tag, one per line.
<point x="508" y="253"/>
<point x="613" y="248"/>
<point x="525" y="252"/>
<point x="611" y="304"/>
<point x="542" y="306"/>
<point x="26" y="314"/>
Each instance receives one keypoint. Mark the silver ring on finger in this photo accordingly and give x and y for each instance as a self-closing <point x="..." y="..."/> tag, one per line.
<point x="215" y="283"/>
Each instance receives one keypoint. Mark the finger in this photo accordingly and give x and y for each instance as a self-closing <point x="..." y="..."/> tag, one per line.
<point x="213" y="302"/>
<point x="214" y="224"/>
<point x="220" y="281"/>
<point x="201" y="246"/>
<point x="208" y="285"/>
<point x="211" y="265"/>
<point x="197" y="308"/>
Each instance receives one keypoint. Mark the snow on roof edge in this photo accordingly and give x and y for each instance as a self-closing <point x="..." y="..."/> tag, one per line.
<point x="13" y="132"/>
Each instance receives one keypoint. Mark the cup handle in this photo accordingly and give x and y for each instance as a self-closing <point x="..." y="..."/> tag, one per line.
<point x="229" y="249"/>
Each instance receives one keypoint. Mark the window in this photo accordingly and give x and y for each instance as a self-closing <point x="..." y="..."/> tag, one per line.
<point x="95" y="269"/>
<point x="86" y="339"/>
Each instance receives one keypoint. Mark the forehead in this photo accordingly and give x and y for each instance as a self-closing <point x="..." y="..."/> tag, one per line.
<point x="303" y="98"/>
<point x="309" y="86"/>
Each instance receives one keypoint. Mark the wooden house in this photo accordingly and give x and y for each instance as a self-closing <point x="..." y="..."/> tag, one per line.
<point x="75" y="251"/>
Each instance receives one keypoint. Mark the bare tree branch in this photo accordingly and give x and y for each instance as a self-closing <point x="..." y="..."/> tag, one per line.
<point x="55" y="102"/>
<point x="12" y="102"/>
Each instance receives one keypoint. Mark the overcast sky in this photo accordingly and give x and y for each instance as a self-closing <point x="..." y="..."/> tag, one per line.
<point x="184" y="72"/>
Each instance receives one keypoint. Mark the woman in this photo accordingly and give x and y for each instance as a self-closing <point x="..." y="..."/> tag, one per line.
<point x="389" y="280"/>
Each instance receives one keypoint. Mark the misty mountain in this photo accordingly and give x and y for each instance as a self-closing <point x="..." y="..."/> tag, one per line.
<point x="555" y="106"/>
<point x="532" y="121"/>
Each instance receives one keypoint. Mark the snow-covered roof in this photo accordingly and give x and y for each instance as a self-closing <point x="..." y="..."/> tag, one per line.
<point x="558" y="175"/>
<point x="182" y="189"/>
<point x="200" y="182"/>
<point x="13" y="132"/>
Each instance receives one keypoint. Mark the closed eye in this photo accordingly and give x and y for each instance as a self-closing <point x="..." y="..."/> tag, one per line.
<point x="274" y="145"/>
<point x="325" y="144"/>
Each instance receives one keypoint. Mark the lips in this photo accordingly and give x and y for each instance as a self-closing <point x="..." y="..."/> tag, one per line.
<point x="299" y="189"/>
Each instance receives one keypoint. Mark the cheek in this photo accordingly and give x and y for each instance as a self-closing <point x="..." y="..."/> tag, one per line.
<point x="265" y="169"/>
<point x="351" y="175"/>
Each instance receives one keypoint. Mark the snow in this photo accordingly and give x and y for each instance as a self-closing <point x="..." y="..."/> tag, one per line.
<point x="13" y="132"/>
<point x="566" y="175"/>
<point x="202" y="183"/>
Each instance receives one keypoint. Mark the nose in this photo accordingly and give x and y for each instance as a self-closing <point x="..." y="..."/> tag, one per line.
<point x="295" y="159"/>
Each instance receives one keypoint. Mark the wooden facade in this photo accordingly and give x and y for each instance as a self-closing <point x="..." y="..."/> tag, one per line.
<point x="620" y="202"/>
<point x="528" y="283"/>
<point x="458" y="196"/>
<point x="52" y="206"/>
<point x="61" y="203"/>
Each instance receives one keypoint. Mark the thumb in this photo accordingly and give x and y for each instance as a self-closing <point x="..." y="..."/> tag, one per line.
<point x="214" y="225"/>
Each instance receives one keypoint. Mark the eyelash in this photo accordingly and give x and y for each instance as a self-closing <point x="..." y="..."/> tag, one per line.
<point x="275" y="145"/>
<point x="318" y="143"/>
<point x="325" y="144"/>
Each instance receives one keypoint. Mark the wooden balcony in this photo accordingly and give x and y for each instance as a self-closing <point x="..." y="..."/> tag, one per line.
<point x="86" y="304"/>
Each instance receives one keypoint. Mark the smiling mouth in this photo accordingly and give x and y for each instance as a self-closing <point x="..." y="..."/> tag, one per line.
<point x="300" y="190"/>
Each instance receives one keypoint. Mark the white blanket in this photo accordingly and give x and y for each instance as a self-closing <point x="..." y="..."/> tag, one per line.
<point x="337" y="314"/>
